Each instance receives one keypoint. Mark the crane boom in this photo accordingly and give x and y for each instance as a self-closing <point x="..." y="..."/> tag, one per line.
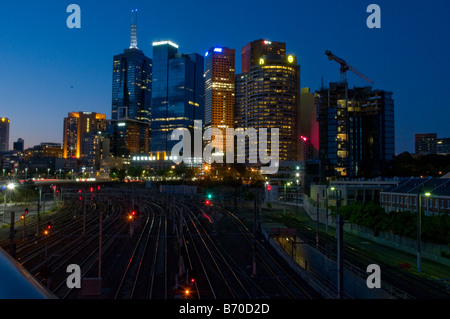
<point x="346" y="67"/>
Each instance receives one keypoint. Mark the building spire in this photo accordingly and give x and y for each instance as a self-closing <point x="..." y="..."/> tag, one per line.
<point x="133" y="41"/>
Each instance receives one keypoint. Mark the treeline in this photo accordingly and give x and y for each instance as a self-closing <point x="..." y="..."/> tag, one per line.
<point x="406" y="165"/>
<point x="435" y="229"/>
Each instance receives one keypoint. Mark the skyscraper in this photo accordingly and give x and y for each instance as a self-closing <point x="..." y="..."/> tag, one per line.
<point x="177" y="94"/>
<point x="19" y="145"/>
<point x="77" y="127"/>
<point x="253" y="51"/>
<point x="132" y="82"/>
<point x="4" y="134"/>
<point x="268" y="97"/>
<point x="356" y="131"/>
<point x="219" y="89"/>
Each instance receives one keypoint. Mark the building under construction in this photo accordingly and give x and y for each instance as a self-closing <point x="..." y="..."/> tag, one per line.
<point x="356" y="131"/>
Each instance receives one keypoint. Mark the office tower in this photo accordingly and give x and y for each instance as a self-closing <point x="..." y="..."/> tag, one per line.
<point x="425" y="143"/>
<point x="268" y="97"/>
<point x="309" y="127"/>
<point x="19" y="145"/>
<point x="356" y="131"/>
<point x="4" y="134"/>
<point x="443" y="145"/>
<point x="219" y="89"/>
<point x="177" y="93"/>
<point x="252" y="52"/>
<point x="127" y="137"/>
<point x="76" y="126"/>
<point x="132" y="82"/>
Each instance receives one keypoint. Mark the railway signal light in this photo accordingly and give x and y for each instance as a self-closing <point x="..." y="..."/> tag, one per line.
<point x="26" y="211"/>
<point x="22" y="217"/>
<point x="46" y="232"/>
<point x="269" y="187"/>
<point x="49" y="225"/>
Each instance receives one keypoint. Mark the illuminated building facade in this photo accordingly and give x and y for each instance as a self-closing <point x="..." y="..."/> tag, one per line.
<point x="268" y="97"/>
<point x="356" y="131"/>
<point x="425" y="143"/>
<point x="309" y="127"/>
<point x="219" y="89"/>
<point x="132" y="83"/>
<point x="177" y="93"/>
<point x="127" y="137"/>
<point x="443" y="145"/>
<point x="4" y="134"/>
<point x="76" y="126"/>
<point x="253" y="51"/>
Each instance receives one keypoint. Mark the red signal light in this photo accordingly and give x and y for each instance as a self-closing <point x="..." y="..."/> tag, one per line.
<point x="192" y="280"/>
<point x="207" y="202"/>
<point x="269" y="187"/>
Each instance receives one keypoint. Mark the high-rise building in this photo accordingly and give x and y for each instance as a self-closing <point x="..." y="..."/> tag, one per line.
<point x="219" y="89"/>
<point x="132" y="82"/>
<point x="127" y="137"/>
<point x="252" y="52"/>
<point x="77" y="126"/>
<point x="4" y="134"/>
<point x="443" y="145"/>
<point x="268" y="96"/>
<point x="356" y="131"/>
<point x="425" y="143"/>
<point x="177" y="93"/>
<point x="309" y="127"/>
<point x="19" y="145"/>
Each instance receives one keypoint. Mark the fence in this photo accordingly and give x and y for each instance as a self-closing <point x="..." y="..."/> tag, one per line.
<point x="428" y="250"/>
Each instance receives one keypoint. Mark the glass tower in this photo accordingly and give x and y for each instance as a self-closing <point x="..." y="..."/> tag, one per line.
<point x="178" y="93"/>
<point x="132" y="83"/>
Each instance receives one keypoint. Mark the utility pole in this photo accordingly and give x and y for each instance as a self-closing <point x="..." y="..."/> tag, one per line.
<point x="38" y="209"/>
<point x="255" y="227"/>
<point x="12" y="247"/>
<point x="317" y="220"/>
<point x="84" y="212"/>
<point x="100" y="246"/>
<point x="340" y="246"/>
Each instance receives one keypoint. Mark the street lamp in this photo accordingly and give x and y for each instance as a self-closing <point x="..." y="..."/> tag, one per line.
<point x="419" y="226"/>
<point x="288" y="184"/>
<point x="10" y="187"/>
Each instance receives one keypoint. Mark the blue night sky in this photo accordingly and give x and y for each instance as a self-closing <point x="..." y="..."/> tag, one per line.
<point x="48" y="70"/>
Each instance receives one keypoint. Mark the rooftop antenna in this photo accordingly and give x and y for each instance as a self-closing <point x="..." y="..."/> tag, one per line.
<point x="133" y="41"/>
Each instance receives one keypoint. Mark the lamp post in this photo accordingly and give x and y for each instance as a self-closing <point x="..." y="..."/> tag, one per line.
<point x="340" y="247"/>
<point x="10" y="187"/>
<point x="419" y="226"/>
<point x="285" y="184"/>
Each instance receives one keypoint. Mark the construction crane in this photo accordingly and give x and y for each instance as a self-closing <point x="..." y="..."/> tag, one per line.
<point x="346" y="67"/>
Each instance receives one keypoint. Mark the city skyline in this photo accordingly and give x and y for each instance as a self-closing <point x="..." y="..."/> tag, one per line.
<point x="48" y="65"/>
